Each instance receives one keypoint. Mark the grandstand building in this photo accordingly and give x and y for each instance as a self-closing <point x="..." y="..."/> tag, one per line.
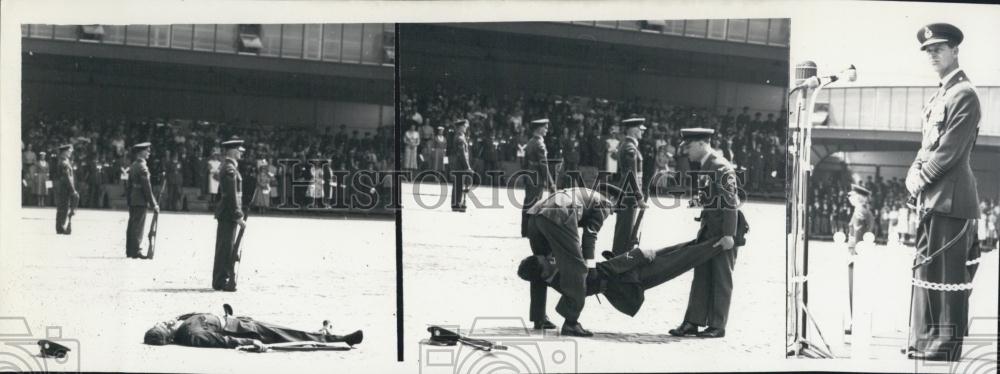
<point x="711" y="67"/>
<point x="275" y="78"/>
<point x="874" y="132"/>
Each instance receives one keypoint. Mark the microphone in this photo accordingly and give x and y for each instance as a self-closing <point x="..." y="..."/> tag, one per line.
<point x="851" y="74"/>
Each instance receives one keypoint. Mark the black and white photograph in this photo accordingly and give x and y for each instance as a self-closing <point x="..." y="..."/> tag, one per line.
<point x="499" y="186"/>
<point x="538" y="154"/>
<point x="203" y="197"/>
<point x="894" y="187"/>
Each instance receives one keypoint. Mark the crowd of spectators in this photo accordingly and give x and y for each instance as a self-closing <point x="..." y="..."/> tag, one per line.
<point x="585" y="132"/>
<point x="894" y="220"/>
<point x="187" y="154"/>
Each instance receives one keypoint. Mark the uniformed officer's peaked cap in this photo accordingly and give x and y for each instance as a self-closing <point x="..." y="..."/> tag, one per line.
<point x="462" y="122"/>
<point x="861" y="190"/>
<point x="939" y="33"/>
<point x="65" y="147"/>
<point x="233" y="142"/>
<point x="635" y="121"/>
<point x="539" y="123"/>
<point x="695" y="133"/>
<point x="141" y="146"/>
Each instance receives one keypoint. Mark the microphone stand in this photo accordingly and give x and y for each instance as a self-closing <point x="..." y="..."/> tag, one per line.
<point x="797" y="267"/>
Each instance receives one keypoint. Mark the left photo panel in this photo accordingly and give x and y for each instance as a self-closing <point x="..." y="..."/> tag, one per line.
<point x="195" y="194"/>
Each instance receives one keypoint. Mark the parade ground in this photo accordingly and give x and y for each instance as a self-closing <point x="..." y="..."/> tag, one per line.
<point x="296" y="272"/>
<point x="460" y="270"/>
<point x="882" y="277"/>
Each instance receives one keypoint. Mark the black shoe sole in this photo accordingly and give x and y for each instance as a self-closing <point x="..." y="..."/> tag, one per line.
<point x="688" y="335"/>
<point x="574" y="334"/>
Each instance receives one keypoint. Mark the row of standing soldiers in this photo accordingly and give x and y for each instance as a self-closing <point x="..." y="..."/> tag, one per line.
<point x="712" y="286"/>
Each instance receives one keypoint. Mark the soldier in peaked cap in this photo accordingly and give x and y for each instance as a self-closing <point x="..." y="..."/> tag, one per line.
<point x="140" y="197"/>
<point x="862" y="221"/>
<point x="66" y="196"/>
<point x="539" y="179"/>
<point x="229" y="214"/>
<point x="712" y="286"/>
<point x="553" y="230"/>
<point x="630" y="172"/>
<point x="460" y="167"/>
<point x="944" y="188"/>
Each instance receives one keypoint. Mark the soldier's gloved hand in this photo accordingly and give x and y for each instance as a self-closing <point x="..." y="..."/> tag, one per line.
<point x="242" y="223"/>
<point x="726" y="242"/>
<point x="913" y="182"/>
<point x="258" y="346"/>
<point x="76" y="195"/>
<point x="156" y="208"/>
<point x="592" y="275"/>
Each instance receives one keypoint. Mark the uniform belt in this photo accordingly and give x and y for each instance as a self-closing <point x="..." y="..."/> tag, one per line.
<point x="973" y="262"/>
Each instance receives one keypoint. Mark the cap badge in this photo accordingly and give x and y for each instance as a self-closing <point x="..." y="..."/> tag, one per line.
<point x="928" y="33"/>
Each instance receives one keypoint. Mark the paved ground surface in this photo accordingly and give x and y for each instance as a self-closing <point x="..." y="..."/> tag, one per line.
<point x="883" y="283"/>
<point x="460" y="270"/>
<point x="296" y="272"/>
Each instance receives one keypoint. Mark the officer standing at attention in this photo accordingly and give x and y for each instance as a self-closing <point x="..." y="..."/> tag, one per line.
<point x="630" y="170"/>
<point x="944" y="188"/>
<point x="712" y="286"/>
<point x="862" y="221"/>
<point x="66" y="195"/>
<point x="536" y="156"/>
<point x="139" y="196"/>
<point x="461" y="167"/>
<point x="229" y="214"/>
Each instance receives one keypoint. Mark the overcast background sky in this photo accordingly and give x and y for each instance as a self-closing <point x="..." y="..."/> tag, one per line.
<point x="881" y="40"/>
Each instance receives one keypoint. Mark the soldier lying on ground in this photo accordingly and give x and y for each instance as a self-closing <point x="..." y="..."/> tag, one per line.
<point x="623" y="279"/>
<point x="207" y="330"/>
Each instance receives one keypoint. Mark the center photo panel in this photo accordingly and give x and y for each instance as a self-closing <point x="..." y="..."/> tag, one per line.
<point x="578" y="193"/>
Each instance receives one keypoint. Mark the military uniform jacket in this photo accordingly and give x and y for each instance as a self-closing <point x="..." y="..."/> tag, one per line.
<point x="231" y="188"/>
<point x="461" y="154"/>
<point x="140" y="189"/>
<point x="576" y="207"/>
<point x="206" y="330"/>
<point x="536" y="156"/>
<point x="65" y="185"/>
<point x="720" y="215"/>
<point x="951" y="125"/>
<point x="630" y="168"/>
<point x="862" y="221"/>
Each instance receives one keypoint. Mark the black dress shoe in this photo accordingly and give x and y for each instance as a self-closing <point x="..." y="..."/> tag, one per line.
<point x="354" y="338"/>
<point x="544" y="325"/>
<point x="575" y="329"/>
<point x="685" y="329"/>
<point x="712" y="332"/>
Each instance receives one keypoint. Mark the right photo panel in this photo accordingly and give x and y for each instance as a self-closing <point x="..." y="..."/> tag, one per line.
<point x="894" y="182"/>
<point x="593" y="196"/>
